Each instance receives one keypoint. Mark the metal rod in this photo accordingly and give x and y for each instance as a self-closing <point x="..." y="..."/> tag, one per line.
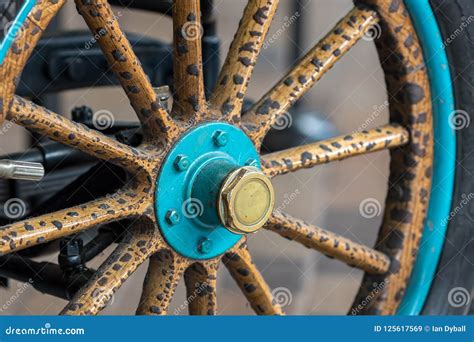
<point x="14" y="169"/>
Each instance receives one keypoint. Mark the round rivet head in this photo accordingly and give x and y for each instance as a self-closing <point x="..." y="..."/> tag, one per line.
<point x="220" y="138"/>
<point x="181" y="163"/>
<point x="172" y="217"/>
<point x="246" y="200"/>
<point x="205" y="246"/>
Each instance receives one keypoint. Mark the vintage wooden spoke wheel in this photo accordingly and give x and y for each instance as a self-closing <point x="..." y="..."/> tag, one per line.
<point x="199" y="184"/>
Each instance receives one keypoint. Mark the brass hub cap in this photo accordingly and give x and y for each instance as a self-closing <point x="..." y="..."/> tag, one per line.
<point x="246" y="200"/>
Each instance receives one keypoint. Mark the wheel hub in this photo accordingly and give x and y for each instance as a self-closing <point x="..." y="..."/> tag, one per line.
<point x="211" y="191"/>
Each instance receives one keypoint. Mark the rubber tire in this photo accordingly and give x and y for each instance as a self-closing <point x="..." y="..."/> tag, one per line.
<point x="455" y="268"/>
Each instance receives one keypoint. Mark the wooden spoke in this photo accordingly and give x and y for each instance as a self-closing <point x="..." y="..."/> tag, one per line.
<point x="329" y="243"/>
<point x="164" y="272"/>
<point x="338" y="148"/>
<point x="189" y="99"/>
<point x="233" y="80"/>
<point x="257" y="122"/>
<point x="122" y="60"/>
<point x="245" y="273"/>
<point x="61" y="129"/>
<point x="119" y="266"/>
<point x="44" y="228"/>
<point x="200" y="283"/>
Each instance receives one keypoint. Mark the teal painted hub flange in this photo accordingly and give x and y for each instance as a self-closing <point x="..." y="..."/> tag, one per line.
<point x="189" y="183"/>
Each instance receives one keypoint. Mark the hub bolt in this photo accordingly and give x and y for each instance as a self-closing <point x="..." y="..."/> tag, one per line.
<point x="181" y="163"/>
<point x="246" y="200"/>
<point x="220" y="138"/>
<point x="172" y="217"/>
<point x="205" y="246"/>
